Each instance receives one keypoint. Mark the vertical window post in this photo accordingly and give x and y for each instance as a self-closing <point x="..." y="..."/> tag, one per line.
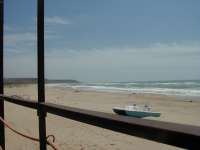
<point x="2" y="130"/>
<point x="41" y="76"/>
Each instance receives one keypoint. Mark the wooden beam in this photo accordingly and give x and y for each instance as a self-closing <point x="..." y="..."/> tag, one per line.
<point x="179" y="135"/>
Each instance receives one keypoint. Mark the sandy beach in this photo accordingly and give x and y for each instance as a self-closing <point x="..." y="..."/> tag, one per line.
<point x="78" y="136"/>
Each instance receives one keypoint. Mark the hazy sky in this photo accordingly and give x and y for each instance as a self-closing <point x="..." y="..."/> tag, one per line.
<point x="106" y="40"/>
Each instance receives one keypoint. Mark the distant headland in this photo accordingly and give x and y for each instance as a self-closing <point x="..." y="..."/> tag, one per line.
<point x="34" y="81"/>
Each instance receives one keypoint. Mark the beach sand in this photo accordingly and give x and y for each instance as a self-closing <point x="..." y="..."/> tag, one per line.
<point x="73" y="135"/>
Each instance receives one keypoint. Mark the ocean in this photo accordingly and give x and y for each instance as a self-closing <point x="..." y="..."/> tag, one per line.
<point x="190" y="88"/>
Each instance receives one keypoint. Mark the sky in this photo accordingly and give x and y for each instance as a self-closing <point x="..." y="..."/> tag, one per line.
<point x="105" y="40"/>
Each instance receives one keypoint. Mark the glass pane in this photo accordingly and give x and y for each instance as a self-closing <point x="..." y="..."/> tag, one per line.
<point x="110" y="54"/>
<point x="20" y="48"/>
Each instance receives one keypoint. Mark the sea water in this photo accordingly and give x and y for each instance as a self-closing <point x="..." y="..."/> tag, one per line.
<point x="177" y="88"/>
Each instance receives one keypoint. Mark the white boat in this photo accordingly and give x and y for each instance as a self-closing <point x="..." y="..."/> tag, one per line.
<point x="136" y="111"/>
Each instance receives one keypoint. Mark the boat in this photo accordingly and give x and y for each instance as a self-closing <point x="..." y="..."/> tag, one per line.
<point x="136" y="111"/>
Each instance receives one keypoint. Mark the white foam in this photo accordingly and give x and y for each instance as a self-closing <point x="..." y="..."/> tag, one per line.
<point x="163" y="91"/>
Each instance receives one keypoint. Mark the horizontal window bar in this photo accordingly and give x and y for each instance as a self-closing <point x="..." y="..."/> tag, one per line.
<point x="184" y="136"/>
<point x="20" y="101"/>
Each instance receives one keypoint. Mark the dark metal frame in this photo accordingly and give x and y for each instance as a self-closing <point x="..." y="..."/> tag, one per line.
<point x="2" y="130"/>
<point x="41" y="70"/>
<point x="185" y="136"/>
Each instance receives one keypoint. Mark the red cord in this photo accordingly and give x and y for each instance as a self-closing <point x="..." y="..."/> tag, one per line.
<point x="29" y="137"/>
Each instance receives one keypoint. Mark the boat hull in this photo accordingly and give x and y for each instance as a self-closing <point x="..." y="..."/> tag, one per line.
<point x="119" y="111"/>
<point x="141" y="114"/>
<point x="135" y="113"/>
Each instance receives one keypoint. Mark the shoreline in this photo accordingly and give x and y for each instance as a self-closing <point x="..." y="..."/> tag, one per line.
<point x="170" y="97"/>
<point x="184" y="98"/>
<point x="143" y="91"/>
